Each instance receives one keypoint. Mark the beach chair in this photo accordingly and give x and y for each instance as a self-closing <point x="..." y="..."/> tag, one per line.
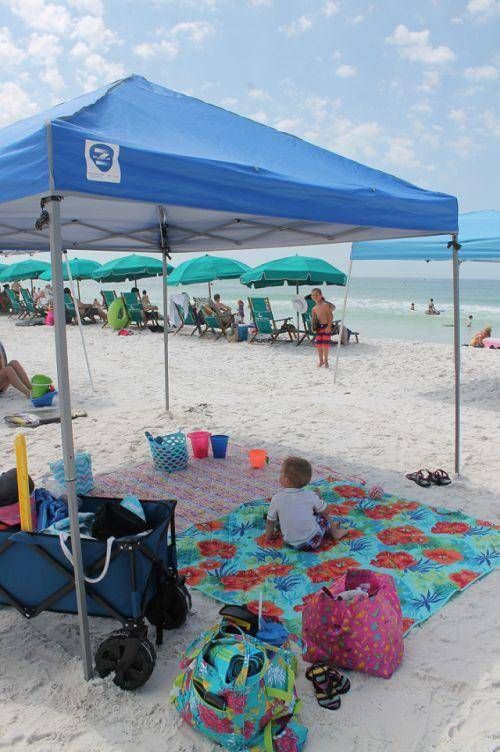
<point x="214" y="324"/>
<point x="70" y="308"/>
<point x="187" y="319"/>
<point x="264" y="320"/>
<point x="308" y="332"/>
<point x="134" y="308"/>
<point x="32" y="310"/>
<point x="108" y="297"/>
<point x="16" y="307"/>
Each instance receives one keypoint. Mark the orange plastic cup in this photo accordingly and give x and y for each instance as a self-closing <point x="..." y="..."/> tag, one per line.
<point x="257" y="458"/>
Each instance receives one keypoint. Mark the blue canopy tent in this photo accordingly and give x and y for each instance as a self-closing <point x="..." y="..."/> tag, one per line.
<point x="137" y="167"/>
<point x="478" y="239"/>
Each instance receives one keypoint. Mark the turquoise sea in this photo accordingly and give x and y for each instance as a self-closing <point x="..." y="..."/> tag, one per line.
<point x="377" y="307"/>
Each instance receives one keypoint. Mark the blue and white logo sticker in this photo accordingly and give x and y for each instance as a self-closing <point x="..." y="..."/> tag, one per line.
<point x="102" y="161"/>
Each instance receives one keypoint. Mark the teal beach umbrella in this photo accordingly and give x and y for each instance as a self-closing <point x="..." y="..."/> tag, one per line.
<point x="294" y="270"/>
<point x="130" y="268"/>
<point x="207" y="269"/>
<point x="27" y="269"/>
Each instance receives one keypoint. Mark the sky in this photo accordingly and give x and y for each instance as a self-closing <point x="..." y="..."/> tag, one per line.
<point x="412" y="89"/>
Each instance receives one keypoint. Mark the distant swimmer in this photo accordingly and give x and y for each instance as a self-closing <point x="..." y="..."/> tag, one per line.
<point x="431" y="310"/>
<point x="412" y="307"/>
<point x="469" y="321"/>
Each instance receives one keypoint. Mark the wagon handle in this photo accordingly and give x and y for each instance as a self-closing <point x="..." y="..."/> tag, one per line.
<point x="63" y="537"/>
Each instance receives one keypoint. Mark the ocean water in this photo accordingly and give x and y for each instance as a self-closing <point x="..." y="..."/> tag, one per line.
<point x="377" y="307"/>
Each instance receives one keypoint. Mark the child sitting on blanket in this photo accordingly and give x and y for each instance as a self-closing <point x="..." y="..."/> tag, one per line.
<point x="302" y="514"/>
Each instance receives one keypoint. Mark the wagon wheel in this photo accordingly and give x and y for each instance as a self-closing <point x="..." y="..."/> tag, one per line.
<point x="168" y="609"/>
<point x="131" y="658"/>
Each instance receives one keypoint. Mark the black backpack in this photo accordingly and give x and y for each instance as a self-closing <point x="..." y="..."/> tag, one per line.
<point x="8" y="488"/>
<point x="115" y="520"/>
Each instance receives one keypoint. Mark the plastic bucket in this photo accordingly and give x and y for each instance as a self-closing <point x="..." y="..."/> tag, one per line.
<point x="199" y="442"/>
<point x="257" y="458"/>
<point x="219" y="445"/>
<point x="45" y="400"/>
<point x="40" y="385"/>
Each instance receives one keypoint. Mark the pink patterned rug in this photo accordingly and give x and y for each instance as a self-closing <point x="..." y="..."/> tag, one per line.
<point x="207" y="489"/>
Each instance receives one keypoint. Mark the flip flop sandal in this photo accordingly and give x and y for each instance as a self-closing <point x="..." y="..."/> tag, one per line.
<point x="321" y="672"/>
<point x="420" y="479"/>
<point x="341" y="682"/>
<point x="325" y="688"/>
<point x="440" y="478"/>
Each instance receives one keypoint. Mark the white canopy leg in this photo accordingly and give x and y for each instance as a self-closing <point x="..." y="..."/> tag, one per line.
<point x="54" y="210"/>
<point x="456" y="347"/>
<point x="341" y="330"/>
<point x="78" y="318"/>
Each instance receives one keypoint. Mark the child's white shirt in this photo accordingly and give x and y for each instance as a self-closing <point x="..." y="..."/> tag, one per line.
<point x="295" y="508"/>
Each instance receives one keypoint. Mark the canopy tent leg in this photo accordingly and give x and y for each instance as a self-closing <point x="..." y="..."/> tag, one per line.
<point x="165" y="252"/>
<point x="54" y="211"/>
<point x="456" y="348"/>
<point x="298" y="317"/>
<point x="79" y="320"/>
<point x="341" y="330"/>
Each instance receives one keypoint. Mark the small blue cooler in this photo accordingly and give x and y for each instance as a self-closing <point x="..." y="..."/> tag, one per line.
<point x="242" y="332"/>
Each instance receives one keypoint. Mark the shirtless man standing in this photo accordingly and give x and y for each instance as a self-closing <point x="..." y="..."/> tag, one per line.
<point x="322" y="318"/>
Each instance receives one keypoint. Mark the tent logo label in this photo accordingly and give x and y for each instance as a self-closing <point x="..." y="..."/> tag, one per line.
<point x="102" y="161"/>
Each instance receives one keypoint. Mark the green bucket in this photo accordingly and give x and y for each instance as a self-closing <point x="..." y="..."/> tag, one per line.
<point x="40" y="385"/>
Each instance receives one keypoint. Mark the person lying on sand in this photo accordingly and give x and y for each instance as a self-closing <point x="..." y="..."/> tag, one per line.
<point x="302" y="514"/>
<point x="477" y="340"/>
<point x="322" y="322"/>
<point x="13" y="374"/>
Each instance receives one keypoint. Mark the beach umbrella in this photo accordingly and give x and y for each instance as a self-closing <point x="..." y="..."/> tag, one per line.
<point x="131" y="267"/>
<point x="294" y="270"/>
<point x="27" y="269"/>
<point x="207" y="269"/>
<point x="79" y="268"/>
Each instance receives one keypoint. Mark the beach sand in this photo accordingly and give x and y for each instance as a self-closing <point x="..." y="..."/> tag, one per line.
<point x="390" y="413"/>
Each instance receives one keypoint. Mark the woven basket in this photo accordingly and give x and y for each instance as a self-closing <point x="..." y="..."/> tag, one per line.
<point x="83" y="473"/>
<point x="171" y="454"/>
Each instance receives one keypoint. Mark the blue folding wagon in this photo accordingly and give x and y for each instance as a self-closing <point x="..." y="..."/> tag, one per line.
<point x="140" y="583"/>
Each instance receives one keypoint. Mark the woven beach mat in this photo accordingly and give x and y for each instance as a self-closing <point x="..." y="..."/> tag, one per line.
<point x="208" y="488"/>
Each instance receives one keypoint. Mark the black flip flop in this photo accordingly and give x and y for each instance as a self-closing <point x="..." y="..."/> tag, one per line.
<point x="440" y="478"/>
<point x="328" y="684"/>
<point x="420" y="479"/>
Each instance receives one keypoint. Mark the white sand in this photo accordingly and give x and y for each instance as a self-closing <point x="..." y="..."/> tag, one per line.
<point x="391" y="413"/>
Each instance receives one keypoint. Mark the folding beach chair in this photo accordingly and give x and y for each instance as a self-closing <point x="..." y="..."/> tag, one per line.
<point x="31" y="308"/>
<point x="108" y="297"/>
<point x="214" y="324"/>
<point x="134" y="308"/>
<point x="308" y="332"/>
<point x="264" y="321"/>
<point x="16" y="308"/>
<point x="187" y="319"/>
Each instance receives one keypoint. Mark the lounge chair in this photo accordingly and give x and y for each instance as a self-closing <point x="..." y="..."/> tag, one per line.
<point x="108" y="297"/>
<point x="187" y="319"/>
<point x="308" y="331"/>
<point x="134" y="308"/>
<point x="214" y="324"/>
<point x="33" y="310"/>
<point x="16" y="307"/>
<point x="264" y="321"/>
<point x="86" y="315"/>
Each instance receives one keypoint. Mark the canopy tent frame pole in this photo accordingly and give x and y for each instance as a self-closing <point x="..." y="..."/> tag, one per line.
<point x="54" y="212"/>
<point x="298" y="316"/>
<point x="456" y="347"/>
<point x="78" y="318"/>
<point x="341" y="330"/>
<point x="165" y="252"/>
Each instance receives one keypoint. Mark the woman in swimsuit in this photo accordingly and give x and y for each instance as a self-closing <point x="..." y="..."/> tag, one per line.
<point x="13" y="374"/>
<point x="322" y="320"/>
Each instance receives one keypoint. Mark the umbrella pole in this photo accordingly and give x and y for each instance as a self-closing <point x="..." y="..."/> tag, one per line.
<point x="53" y="206"/>
<point x="77" y="287"/>
<point x="341" y="330"/>
<point x="209" y="292"/>
<point x="456" y="348"/>
<point x="298" y="318"/>
<point x="80" y="327"/>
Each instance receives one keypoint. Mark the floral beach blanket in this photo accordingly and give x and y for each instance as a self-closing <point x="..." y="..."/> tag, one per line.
<point x="432" y="553"/>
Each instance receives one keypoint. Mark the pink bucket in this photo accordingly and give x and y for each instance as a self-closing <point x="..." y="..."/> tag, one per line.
<point x="200" y="441"/>
<point x="49" y="318"/>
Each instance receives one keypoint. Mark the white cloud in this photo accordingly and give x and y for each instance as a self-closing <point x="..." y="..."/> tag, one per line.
<point x="10" y="53"/>
<point x="94" y="7"/>
<point x="346" y="71"/>
<point x="293" y="29"/>
<point x="44" y="48"/>
<point x="430" y="81"/>
<point x="97" y="70"/>
<point x="336" y="55"/>
<point x="255" y="93"/>
<point x="14" y="103"/>
<point x="94" y="32"/>
<point x="355" y="20"/>
<point x="52" y="77"/>
<point x="401" y="152"/>
<point x="229" y="102"/>
<point x="172" y="39"/>
<point x="260" y="3"/>
<point x="458" y="116"/>
<point x="287" y="124"/>
<point x="37" y="14"/>
<point x="481" y="9"/>
<point x="422" y="108"/>
<point x="414" y="46"/>
<point x="355" y="140"/>
<point x="481" y="73"/>
<point x="491" y="122"/>
<point x="260" y="116"/>
<point x="330" y="8"/>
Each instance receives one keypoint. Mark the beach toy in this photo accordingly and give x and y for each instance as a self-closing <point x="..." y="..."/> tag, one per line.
<point x="83" y="473"/>
<point x="219" y="445"/>
<point x="199" y="443"/>
<point x="40" y="385"/>
<point x="492" y="342"/>
<point x="376" y="492"/>
<point x="257" y="457"/>
<point x="23" y="484"/>
<point x="45" y="400"/>
<point x="49" y="318"/>
<point x="117" y="315"/>
<point x="169" y="452"/>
